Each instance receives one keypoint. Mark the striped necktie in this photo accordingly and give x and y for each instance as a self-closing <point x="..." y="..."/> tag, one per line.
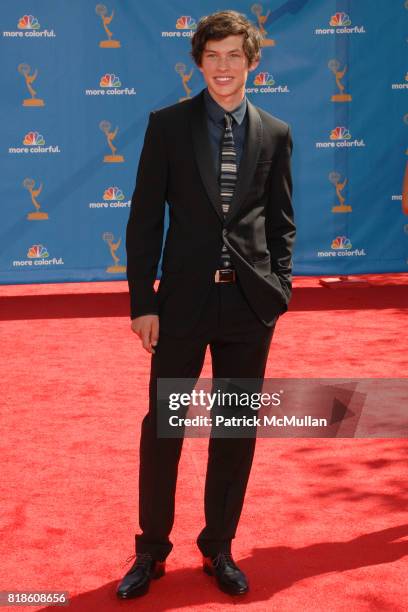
<point x="228" y="178"/>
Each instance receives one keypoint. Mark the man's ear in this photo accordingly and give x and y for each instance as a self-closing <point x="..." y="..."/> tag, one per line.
<point x="254" y="65"/>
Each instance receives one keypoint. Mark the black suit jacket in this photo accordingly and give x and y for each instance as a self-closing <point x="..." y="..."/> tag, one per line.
<point x="176" y="165"/>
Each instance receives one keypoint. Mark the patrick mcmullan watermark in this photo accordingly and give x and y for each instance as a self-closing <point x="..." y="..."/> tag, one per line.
<point x="282" y="407"/>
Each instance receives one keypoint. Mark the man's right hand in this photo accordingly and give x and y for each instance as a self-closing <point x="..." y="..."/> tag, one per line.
<point x="147" y="328"/>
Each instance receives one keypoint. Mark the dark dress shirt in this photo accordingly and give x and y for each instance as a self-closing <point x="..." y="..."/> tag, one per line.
<point x="216" y="126"/>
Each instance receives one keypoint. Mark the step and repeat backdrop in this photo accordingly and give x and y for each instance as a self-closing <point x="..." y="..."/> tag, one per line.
<point x="79" y="81"/>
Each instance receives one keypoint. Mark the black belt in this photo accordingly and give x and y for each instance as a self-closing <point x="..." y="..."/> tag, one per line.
<point x="224" y="276"/>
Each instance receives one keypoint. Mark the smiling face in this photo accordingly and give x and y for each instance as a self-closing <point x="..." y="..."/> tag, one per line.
<point x="225" y="69"/>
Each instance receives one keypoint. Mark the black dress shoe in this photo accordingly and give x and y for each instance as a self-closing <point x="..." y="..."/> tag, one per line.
<point x="136" y="581"/>
<point x="229" y="577"/>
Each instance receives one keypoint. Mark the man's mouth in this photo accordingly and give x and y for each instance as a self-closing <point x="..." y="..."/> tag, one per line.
<point x="224" y="79"/>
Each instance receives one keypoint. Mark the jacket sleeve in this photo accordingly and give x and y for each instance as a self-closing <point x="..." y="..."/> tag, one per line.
<point x="144" y="232"/>
<point x="280" y="226"/>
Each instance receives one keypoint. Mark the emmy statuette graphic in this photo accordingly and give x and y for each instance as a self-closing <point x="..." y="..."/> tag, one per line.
<point x="334" y="178"/>
<point x="262" y="19"/>
<point x="334" y="66"/>
<point x="180" y="68"/>
<point x="113" y="247"/>
<point x="105" y="126"/>
<point x="25" y="70"/>
<point x="102" y="11"/>
<point x="38" y="215"/>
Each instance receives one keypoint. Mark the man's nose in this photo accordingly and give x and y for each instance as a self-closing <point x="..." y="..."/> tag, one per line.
<point x="223" y="63"/>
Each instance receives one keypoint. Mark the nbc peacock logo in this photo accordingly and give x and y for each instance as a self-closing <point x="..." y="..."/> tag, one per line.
<point x="264" y="82"/>
<point x="110" y="85"/>
<point x="341" y="247"/>
<point x="185" y="22"/>
<point x="113" y="193"/>
<point x="340" y="137"/>
<point x="185" y="26"/>
<point x="341" y="242"/>
<point x="264" y="78"/>
<point x="29" y="26"/>
<point x="340" y="19"/>
<point x="38" y="255"/>
<point x="113" y="197"/>
<point x="28" y="22"/>
<point x="110" y="80"/>
<point x="340" y="133"/>
<point x="33" y="138"/>
<point x="37" y="251"/>
<point x="33" y="142"/>
<point x="340" y="23"/>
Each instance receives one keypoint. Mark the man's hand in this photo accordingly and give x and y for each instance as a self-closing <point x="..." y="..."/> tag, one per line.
<point x="147" y="328"/>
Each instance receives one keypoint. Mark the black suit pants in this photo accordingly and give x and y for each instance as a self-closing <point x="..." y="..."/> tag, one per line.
<point x="239" y="344"/>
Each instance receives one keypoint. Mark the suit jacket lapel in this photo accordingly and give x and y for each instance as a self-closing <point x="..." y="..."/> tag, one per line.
<point x="203" y="153"/>
<point x="248" y="163"/>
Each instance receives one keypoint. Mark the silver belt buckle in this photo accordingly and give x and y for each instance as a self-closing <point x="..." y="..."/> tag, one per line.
<point x="224" y="276"/>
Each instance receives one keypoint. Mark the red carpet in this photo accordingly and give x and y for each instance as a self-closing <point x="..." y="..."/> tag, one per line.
<point x="325" y="522"/>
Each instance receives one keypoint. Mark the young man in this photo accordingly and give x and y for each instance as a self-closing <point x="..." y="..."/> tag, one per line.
<point x="223" y="166"/>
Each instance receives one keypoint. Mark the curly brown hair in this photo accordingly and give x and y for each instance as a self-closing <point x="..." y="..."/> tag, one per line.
<point x="222" y="24"/>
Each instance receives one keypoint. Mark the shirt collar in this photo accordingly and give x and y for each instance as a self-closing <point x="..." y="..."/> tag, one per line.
<point x="217" y="113"/>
